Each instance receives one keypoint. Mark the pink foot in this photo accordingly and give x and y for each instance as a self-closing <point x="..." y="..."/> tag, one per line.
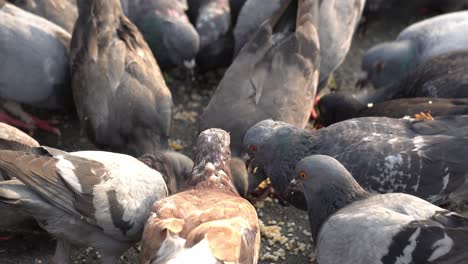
<point x="46" y="125"/>
<point x="36" y="123"/>
<point x="6" y="118"/>
<point x="313" y="113"/>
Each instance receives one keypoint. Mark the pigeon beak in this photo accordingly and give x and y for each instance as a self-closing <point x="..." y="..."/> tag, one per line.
<point x="293" y="186"/>
<point x="363" y="79"/>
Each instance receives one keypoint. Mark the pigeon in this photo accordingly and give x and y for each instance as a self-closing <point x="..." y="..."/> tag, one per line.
<point x="444" y="76"/>
<point x="61" y="12"/>
<point x="336" y="107"/>
<point x="34" y="69"/>
<point x="207" y="223"/>
<point x="10" y="133"/>
<point x="12" y="221"/>
<point x="274" y="76"/>
<point x="389" y="62"/>
<point x="166" y="27"/>
<point x="175" y="167"/>
<point x="338" y="22"/>
<point x="122" y="100"/>
<point x="213" y="20"/>
<point x="421" y="157"/>
<point x="86" y="198"/>
<point x="351" y="225"/>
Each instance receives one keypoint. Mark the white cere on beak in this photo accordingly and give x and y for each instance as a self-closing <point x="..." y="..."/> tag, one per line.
<point x="190" y="64"/>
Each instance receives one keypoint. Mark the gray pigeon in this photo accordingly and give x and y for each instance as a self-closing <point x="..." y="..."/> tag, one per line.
<point x="350" y="225"/>
<point x="274" y="76"/>
<point x="86" y="198"/>
<point x="35" y="66"/>
<point x="443" y="76"/>
<point x="214" y="21"/>
<point x="336" y="107"/>
<point x="424" y="158"/>
<point x="62" y="12"/>
<point x="120" y="94"/>
<point x="389" y="62"/>
<point x="338" y="22"/>
<point x="167" y="29"/>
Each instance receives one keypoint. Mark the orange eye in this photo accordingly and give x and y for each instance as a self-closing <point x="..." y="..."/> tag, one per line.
<point x="303" y="175"/>
<point x="253" y="148"/>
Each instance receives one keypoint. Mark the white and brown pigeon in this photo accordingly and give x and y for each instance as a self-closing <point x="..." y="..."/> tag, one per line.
<point x="350" y="225"/>
<point x="86" y="198"/>
<point x="120" y="94"/>
<point x="207" y="223"/>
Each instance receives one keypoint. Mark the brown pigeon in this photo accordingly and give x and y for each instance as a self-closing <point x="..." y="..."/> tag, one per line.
<point x="121" y="97"/>
<point x="209" y="222"/>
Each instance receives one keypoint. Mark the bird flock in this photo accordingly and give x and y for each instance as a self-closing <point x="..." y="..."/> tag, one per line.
<point x="382" y="173"/>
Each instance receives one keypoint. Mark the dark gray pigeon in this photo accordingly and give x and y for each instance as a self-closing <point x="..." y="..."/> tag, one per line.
<point x="424" y="158"/>
<point x="338" y="22"/>
<point x="389" y="62"/>
<point x="350" y="225"/>
<point x="35" y="67"/>
<point x="167" y="29"/>
<point x="120" y="94"/>
<point x="87" y="198"/>
<point x="443" y="76"/>
<point x="274" y="76"/>
<point x="336" y="107"/>
<point x="214" y="21"/>
<point x="62" y="12"/>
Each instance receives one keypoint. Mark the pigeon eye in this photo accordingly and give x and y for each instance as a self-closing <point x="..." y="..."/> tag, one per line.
<point x="253" y="148"/>
<point x="303" y="175"/>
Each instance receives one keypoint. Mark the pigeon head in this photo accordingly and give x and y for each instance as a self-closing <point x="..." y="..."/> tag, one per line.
<point x="387" y="63"/>
<point x="255" y="140"/>
<point x="213" y="21"/>
<point x="171" y="37"/>
<point x="259" y="134"/>
<point x="336" y="107"/>
<point x="327" y="186"/>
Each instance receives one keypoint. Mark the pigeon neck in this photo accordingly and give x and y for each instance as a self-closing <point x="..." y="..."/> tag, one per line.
<point x="328" y="202"/>
<point x="213" y="173"/>
<point x="212" y="162"/>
